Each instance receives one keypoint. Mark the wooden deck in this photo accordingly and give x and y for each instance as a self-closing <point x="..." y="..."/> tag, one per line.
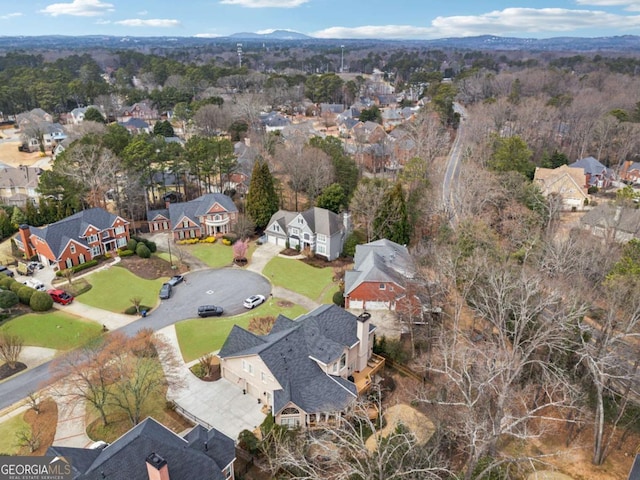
<point x="363" y="378"/>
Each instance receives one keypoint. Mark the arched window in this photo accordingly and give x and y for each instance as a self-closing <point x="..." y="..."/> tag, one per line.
<point x="290" y="411"/>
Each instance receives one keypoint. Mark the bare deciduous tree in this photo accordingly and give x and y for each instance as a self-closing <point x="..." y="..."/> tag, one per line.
<point x="366" y="202"/>
<point x="10" y="348"/>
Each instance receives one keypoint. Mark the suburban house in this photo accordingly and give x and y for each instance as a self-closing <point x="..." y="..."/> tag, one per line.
<point x="35" y="116"/>
<point x="307" y="370"/>
<point x="74" y="240"/>
<point x="595" y="173"/>
<point x="318" y="230"/>
<point x="136" y="126"/>
<point x="44" y="135"/>
<point x="630" y="172"/>
<point x="380" y="279"/>
<point x="274" y="121"/>
<point x="613" y="222"/>
<point x="143" y="110"/>
<point x="209" y="215"/>
<point x="17" y="185"/>
<point x="564" y="181"/>
<point x="150" y="451"/>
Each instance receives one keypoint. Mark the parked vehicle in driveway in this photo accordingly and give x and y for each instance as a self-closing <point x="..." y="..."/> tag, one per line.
<point x="60" y="296"/>
<point x="175" y="280"/>
<point x="210" y="311"/>
<point x="165" y="291"/>
<point x="253" y="301"/>
<point x="36" y="284"/>
<point x="5" y="271"/>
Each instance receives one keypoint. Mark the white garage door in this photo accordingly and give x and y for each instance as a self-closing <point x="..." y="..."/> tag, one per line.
<point x="355" y="304"/>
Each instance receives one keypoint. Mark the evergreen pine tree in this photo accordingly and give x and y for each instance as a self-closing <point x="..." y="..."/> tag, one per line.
<point x="17" y="217"/>
<point x="392" y="221"/>
<point x="262" y="200"/>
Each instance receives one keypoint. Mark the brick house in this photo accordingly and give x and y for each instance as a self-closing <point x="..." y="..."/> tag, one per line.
<point x="74" y="240"/>
<point x="150" y="451"/>
<point x="380" y="278"/>
<point x="209" y="215"/>
<point x="307" y="370"/>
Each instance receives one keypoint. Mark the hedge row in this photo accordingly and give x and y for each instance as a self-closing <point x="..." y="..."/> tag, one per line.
<point x="13" y="292"/>
<point x="191" y="241"/>
<point x="79" y="268"/>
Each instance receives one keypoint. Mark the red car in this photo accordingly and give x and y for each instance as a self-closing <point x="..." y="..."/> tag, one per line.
<point x="61" y="297"/>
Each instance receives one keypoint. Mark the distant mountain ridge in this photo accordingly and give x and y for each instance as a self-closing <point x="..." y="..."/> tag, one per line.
<point x="275" y="35"/>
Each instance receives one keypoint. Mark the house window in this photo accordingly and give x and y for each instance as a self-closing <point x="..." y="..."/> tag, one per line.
<point x="180" y="234"/>
<point x="306" y="236"/>
<point x="290" y="423"/>
<point x="275" y="228"/>
<point x="247" y="367"/>
<point x="95" y="251"/>
<point x="263" y="377"/>
<point x="192" y="233"/>
<point x="300" y="220"/>
<point x="295" y="231"/>
<point x="391" y="288"/>
<point x="382" y="286"/>
<point x="155" y="226"/>
<point x="321" y="238"/>
<point x="165" y="225"/>
<point x="121" y="242"/>
<point x="321" y="249"/>
<point x="72" y="249"/>
<point x="92" y="238"/>
<point x="69" y="263"/>
<point x="343" y="361"/>
<point x="216" y="218"/>
<point x="227" y="472"/>
<point x="119" y="230"/>
<point x="185" y="224"/>
<point x="334" y="367"/>
<point x="81" y="258"/>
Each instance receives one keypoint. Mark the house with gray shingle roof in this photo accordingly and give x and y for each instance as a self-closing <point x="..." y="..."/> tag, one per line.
<point x="307" y="370"/>
<point x="17" y="185"/>
<point x="318" y="230"/>
<point x="380" y="276"/>
<point x="613" y="222"/>
<point x="76" y="239"/>
<point x="150" y="451"/>
<point x="630" y="172"/>
<point x="595" y="173"/>
<point x="209" y="215"/>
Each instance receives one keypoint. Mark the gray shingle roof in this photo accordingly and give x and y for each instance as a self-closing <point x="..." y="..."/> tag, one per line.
<point x="289" y="351"/>
<point x="58" y="234"/>
<point x="124" y="459"/>
<point x="195" y="208"/>
<point x="607" y="216"/>
<point x="379" y="261"/>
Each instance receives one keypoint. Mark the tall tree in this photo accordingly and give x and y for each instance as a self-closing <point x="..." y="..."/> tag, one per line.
<point x="392" y="221"/>
<point x="262" y="200"/>
<point x="365" y="203"/>
<point x="512" y="153"/>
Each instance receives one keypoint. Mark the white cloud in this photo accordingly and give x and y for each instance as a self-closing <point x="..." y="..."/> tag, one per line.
<point x="79" y="8"/>
<point x="10" y="15"/>
<point x="265" y="3"/>
<point x="206" y="35"/>
<point x="499" y="22"/>
<point x="151" y="22"/>
<point x="632" y="5"/>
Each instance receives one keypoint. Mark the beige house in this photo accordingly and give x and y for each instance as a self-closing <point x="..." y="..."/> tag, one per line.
<point x="308" y="370"/>
<point x="566" y="182"/>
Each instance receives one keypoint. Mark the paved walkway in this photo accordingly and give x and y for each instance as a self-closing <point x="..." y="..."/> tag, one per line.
<point x="111" y="320"/>
<point x="71" y="428"/>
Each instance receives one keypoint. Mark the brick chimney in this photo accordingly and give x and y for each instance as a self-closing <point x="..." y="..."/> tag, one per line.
<point x="157" y="467"/>
<point x="25" y="235"/>
<point x="362" y="332"/>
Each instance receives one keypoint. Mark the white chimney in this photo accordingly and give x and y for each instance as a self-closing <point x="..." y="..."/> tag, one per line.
<point x="362" y="331"/>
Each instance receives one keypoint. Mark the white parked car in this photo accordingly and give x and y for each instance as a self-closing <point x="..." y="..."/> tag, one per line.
<point x="253" y="301"/>
<point x="37" y="284"/>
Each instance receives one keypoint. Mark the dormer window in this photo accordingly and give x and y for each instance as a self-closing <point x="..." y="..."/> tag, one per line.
<point x="185" y="224"/>
<point x="300" y="220"/>
<point x="72" y="248"/>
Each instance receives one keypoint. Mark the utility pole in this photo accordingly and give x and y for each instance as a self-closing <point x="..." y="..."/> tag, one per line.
<point x="341" y="58"/>
<point x="239" y="49"/>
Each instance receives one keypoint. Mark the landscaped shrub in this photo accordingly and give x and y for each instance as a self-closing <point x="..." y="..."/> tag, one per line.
<point x="133" y="311"/>
<point x="15" y="287"/>
<point x="355" y="238"/>
<point x="8" y="299"/>
<point x="126" y="253"/>
<point x="143" y="251"/>
<point x="592" y="190"/>
<point x="226" y="241"/>
<point x="188" y="241"/>
<point x="25" y="293"/>
<point x="208" y="240"/>
<point x="248" y="441"/>
<point x="79" y="268"/>
<point x="40" y="302"/>
<point x="338" y="298"/>
<point x="132" y="244"/>
<point x="151" y="246"/>
<point x="230" y="237"/>
<point x="5" y="281"/>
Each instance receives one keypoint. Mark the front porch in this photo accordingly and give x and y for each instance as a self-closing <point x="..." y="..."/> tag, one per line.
<point x="363" y="378"/>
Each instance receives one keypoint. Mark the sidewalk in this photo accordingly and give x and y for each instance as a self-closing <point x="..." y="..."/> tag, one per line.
<point x="71" y="428"/>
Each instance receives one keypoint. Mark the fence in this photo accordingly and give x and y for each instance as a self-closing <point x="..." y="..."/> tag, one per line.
<point x="191" y="417"/>
<point x="404" y="370"/>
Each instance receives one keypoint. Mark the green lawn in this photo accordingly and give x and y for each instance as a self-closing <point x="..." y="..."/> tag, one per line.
<point x="53" y="329"/>
<point x="8" y="432"/>
<point x="200" y="336"/>
<point x="113" y="289"/>
<point x="215" y="255"/>
<point x="299" y="277"/>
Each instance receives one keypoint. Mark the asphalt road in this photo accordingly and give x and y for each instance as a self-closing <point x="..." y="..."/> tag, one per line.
<point x="451" y="173"/>
<point x="227" y="287"/>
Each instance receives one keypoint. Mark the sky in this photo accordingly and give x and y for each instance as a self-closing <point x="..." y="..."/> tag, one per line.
<point x="380" y="19"/>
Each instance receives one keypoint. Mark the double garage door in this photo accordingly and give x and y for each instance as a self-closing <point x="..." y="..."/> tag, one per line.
<point x="281" y="242"/>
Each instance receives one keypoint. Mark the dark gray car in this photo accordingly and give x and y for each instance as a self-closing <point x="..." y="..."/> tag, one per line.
<point x="210" y="311"/>
<point x="165" y="291"/>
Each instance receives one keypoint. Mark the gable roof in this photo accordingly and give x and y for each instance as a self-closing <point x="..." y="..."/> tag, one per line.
<point x="550" y="179"/>
<point x="610" y="216"/>
<point x="58" y="234"/>
<point x="291" y="351"/>
<point x="379" y="261"/>
<point x="194" y="209"/>
<point x="593" y="167"/>
<point x="200" y="454"/>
